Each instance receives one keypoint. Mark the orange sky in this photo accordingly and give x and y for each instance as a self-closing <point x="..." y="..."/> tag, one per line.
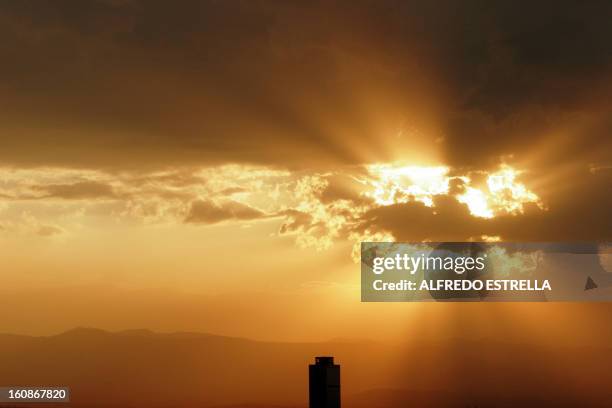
<point x="211" y="167"/>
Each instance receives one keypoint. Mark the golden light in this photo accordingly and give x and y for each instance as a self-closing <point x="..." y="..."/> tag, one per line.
<point x="477" y="202"/>
<point x="398" y="184"/>
<point x="503" y="195"/>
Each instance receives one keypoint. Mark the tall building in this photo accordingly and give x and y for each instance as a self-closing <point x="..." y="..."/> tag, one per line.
<point x="324" y="380"/>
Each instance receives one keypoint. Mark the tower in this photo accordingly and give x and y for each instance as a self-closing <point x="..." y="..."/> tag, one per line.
<point x="324" y="381"/>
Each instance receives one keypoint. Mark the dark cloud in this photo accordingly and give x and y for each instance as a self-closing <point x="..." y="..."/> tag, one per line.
<point x="577" y="217"/>
<point x="77" y="191"/>
<point x="49" y="230"/>
<point x="208" y="212"/>
<point x="232" y="190"/>
<point x="414" y="222"/>
<point x="140" y="83"/>
<point x="295" y="221"/>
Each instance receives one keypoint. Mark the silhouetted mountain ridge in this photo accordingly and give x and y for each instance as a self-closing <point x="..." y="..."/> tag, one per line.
<point x="135" y="368"/>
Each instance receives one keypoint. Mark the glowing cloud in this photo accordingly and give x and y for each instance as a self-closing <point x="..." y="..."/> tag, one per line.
<point x="317" y="208"/>
<point x="317" y="223"/>
<point x="395" y="184"/>
<point x="503" y="195"/>
<point x="401" y="184"/>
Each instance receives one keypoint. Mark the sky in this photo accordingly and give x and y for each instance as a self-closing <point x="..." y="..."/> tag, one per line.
<point x="212" y="166"/>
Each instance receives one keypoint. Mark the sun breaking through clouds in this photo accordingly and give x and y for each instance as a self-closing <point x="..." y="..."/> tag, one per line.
<point x="318" y="208"/>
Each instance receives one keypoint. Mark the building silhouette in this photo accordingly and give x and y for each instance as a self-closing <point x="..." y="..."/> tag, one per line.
<point x="324" y="383"/>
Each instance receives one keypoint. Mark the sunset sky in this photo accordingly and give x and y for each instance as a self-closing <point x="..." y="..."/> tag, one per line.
<point x="212" y="166"/>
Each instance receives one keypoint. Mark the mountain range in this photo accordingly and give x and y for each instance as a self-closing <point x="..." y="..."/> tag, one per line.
<point x="139" y="368"/>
